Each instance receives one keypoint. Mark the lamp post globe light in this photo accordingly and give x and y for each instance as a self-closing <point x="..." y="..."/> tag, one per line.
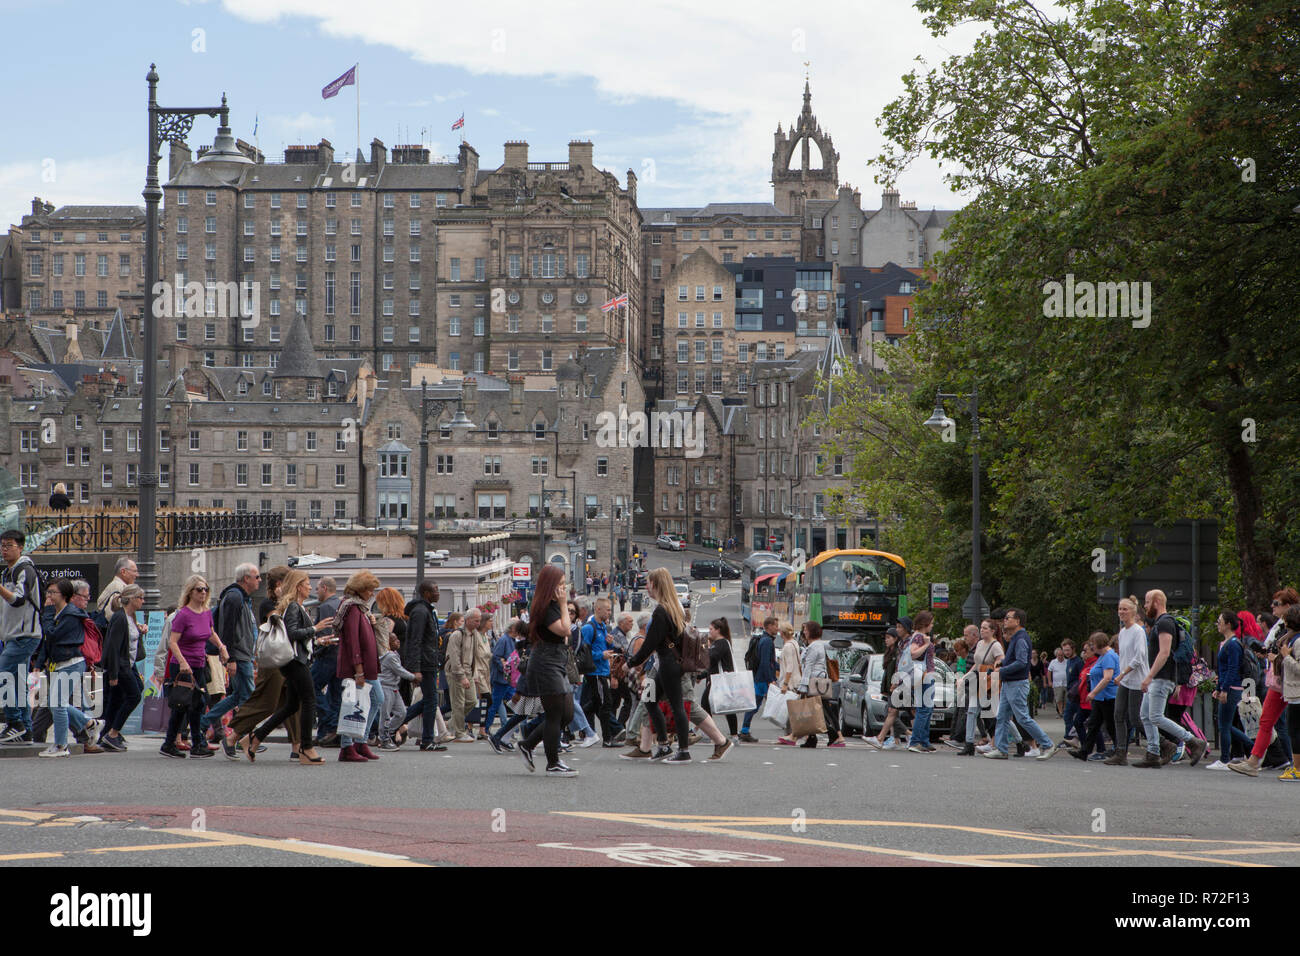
<point x="460" y="423"/>
<point x="225" y="164"/>
<point x="975" y="609"/>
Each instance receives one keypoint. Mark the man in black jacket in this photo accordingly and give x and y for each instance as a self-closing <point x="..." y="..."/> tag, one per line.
<point x="237" y="625"/>
<point x="422" y="656"/>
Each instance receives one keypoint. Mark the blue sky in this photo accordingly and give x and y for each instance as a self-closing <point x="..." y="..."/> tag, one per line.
<point x="687" y="96"/>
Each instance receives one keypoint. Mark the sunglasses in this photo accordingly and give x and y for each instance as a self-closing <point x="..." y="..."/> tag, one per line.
<point x="201" y="589"/>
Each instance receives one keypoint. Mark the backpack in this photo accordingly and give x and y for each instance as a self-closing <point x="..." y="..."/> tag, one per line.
<point x="100" y="620"/>
<point x="92" y="646"/>
<point x="216" y="608"/>
<point x="1181" y="652"/>
<point x="751" y="653"/>
<point x="512" y="668"/>
<point x="692" y="650"/>
<point x="1249" y="665"/>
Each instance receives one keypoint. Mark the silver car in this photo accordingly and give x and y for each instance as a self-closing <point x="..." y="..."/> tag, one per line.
<point x="863" y="704"/>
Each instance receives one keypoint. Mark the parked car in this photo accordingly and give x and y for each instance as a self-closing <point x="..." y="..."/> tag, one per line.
<point x="710" y="569"/>
<point x="864" y="704"/>
<point x="673" y="542"/>
<point x="683" y="593"/>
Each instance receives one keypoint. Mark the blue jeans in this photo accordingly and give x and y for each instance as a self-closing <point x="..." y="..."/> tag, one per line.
<point x="329" y="692"/>
<point x="241" y="687"/>
<point x="1015" y="700"/>
<point x="760" y="695"/>
<point x="14" y="659"/>
<point x="1153" y="716"/>
<point x="579" y="722"/>
<point x="425" y="707"/>
<point x="1071" y="713"/>
<point x="924" y="710"/>
<point x="1227" y="732"/>
<point x="65" y="691"/>
<point x="500" y="694"/>
<point x="376" y="709"/>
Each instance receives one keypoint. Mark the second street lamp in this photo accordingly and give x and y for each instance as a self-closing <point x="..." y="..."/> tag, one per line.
<point x="975" y="609"/>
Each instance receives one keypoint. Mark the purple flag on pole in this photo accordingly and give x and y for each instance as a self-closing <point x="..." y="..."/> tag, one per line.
<point x="347" y="79"/>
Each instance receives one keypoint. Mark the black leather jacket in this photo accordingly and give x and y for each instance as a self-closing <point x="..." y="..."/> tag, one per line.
<point x="302" y="632"/>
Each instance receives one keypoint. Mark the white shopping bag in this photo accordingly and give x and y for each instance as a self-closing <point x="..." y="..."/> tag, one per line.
<point x="354" y="711"/>
<point x="774" y="708"/>
<point x="732" y="692"/>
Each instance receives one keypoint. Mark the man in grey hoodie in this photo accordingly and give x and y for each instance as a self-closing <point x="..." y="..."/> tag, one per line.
<point x="20" y="629"/>
<point x="237" y="628"/>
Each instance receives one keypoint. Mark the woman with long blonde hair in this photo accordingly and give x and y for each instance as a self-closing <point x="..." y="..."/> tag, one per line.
<point x="187" y="646"/>
<point x="664" y="638"/>
<point x="300" y="697"/>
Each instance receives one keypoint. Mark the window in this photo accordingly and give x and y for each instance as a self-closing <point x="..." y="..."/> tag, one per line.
<point x="291" y="475"/>
<point x="210" y="198"/>
<point x="580" y="265"/>
<point x="541" y="466"/>
<point x="183" y="197"/>
<point x="311" y="441"/>
<point x="313" y="509"/>
<point x="123" y="264"/>
<point x="444" y="506"/>
<point x="241" y="474"/>
<point x="108" y="440"/>
<point x="539" y="430"/>
<point x="356" y="200"/>
<point x="194" y="473"/>
<point x="699" y="320"/>
<point x="491" y="506"/>
<point x="106" y="476"/>
<point x="266" y="474"/>
<point x="491" y="464"/>
<point x="454" y="270"/>
<point x="340" y="475"/>
<point x="512" y="357"/>
<point x="547" y="363"/>
<point x="480" y="265"/>
<point x="602" y="467"/>
<point x="445" y="464"/>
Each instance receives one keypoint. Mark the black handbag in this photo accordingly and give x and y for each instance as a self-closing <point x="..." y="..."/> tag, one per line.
<point x="181" y="694"/>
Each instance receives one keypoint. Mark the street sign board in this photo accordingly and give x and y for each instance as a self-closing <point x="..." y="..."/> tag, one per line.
<point x="939" y="596"/>
<point x="522" y="572"/>
<point x="1182" y="560"/>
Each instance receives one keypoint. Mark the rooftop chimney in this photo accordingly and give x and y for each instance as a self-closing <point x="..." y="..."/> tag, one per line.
<point x="516" y="154"/>
<point x="580" y="154"/>
<point x="177" y="157"/>
<point x="378" y="154"/>
<point x="516" y="392"/>
<point x="469" y="389"/>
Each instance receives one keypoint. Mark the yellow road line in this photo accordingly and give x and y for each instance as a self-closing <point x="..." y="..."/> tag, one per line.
<point x="150" y="846"/>
<point x="29" y="856"/>
<point x="722" y="825"/>
<point x="25" y="814"/>
<point x="662" y="824"/>
<point x="340" y="853"/>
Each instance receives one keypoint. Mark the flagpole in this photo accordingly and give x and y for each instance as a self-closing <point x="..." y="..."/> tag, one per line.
<point x="356" y="76"/>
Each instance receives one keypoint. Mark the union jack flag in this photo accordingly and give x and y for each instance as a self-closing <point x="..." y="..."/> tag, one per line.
<point x="614" y="303"/>
<point x="459" y="123"/>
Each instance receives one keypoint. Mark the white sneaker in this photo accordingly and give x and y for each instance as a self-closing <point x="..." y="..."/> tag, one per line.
<point x="462" y="739"/>
<point x="873" y="743"/>
<point x="92" y="729"/>
<point x="890" y="744"/>
<point x="1033" y="752"/>
<point x="53" y="751"/>
<point x="589" y="741"/>
<point x="983" y="748"/>
<point x="1217" y="765"/>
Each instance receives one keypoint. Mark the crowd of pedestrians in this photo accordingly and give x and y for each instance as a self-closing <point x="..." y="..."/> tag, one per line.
<point x="358" y="669"/>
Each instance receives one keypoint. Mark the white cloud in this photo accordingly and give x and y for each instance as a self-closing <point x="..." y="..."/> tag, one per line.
<point x="740" y="65"/>
<point x="304" y="122"/>
<point x="113" y="180"/>
<point x="489" y="111"/>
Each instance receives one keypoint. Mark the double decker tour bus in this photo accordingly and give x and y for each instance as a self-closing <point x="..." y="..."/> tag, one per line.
<point x="758" y="570"/>
<point x="856" y="592"/>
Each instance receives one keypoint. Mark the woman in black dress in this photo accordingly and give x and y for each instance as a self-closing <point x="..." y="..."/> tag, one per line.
<point x="546" y="678"/>
<point x="720" y="660"/>
<point x="664" y="638"/>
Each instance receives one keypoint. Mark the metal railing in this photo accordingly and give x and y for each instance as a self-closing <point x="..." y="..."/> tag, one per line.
<point x="173" y="531"/>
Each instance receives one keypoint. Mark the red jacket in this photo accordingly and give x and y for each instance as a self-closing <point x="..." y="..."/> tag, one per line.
<point x="357" y="643"/>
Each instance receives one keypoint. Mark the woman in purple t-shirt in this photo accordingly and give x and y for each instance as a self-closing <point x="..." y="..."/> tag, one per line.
<point x="191" y="631"/>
